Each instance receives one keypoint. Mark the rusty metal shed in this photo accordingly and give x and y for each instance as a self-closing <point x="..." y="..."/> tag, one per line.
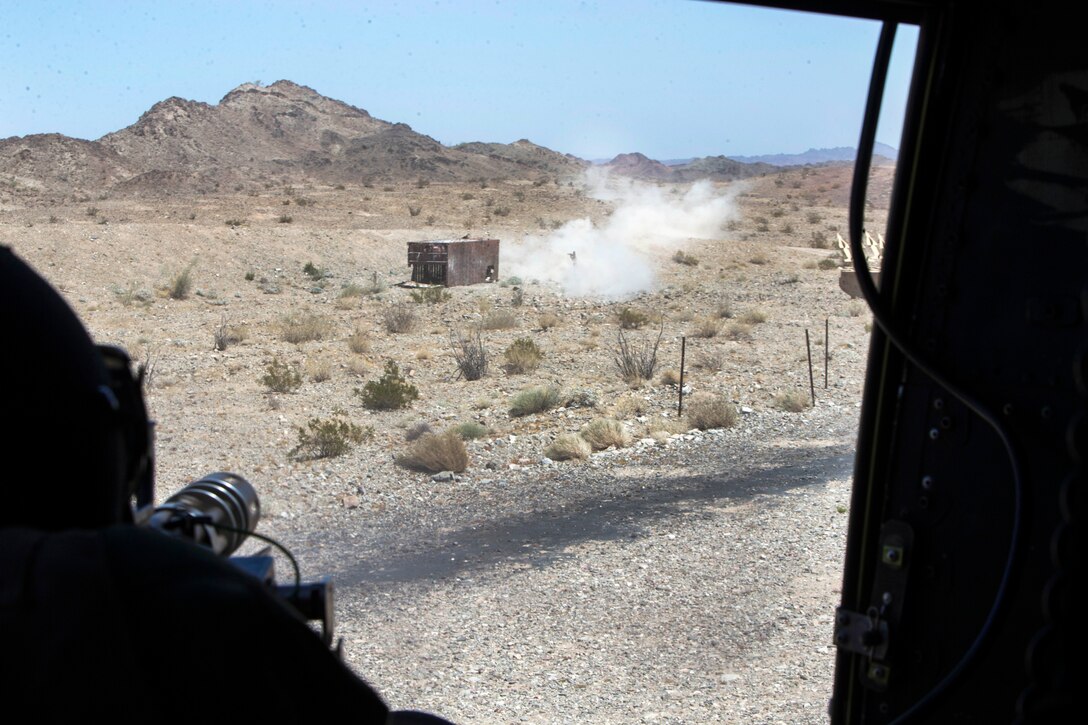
<point x="454" y="262"/>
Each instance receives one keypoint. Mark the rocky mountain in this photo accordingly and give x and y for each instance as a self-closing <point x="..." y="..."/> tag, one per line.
<point x="280" y="133"/>
<point x="718" y="168"/>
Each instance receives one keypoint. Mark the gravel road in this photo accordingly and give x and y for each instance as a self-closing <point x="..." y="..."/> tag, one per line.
<point x="688" y="582"/>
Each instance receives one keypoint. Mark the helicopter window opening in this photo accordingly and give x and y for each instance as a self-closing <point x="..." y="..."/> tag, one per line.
<point x="602" y="553"/>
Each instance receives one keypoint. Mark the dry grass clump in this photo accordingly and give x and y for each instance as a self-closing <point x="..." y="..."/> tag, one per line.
<point x="534" y="400"/>
<point x="304" y="327"/>
<point x="318" y="370"/>
<point x="684" y="258"/>
<point x="522" y="356"/>
<point x="500" y="320"/>
<point x="791" y="401"/>
<point x="567" y="447"/>
<point x="711" y="411"/>
<point x="753" y="317"/>
<point x="399" y="318"/>
<point x="724" y="310"/>
<point x="548" y="320"/>
<point x="631" y="318"/>
<point x="706" y="327"/>
<point x="759" y="259"/>
<point x="602" y="433"/>
<point x="181" y="284"/>
<point x="359" y="342"/>
<point x="739" y="332"/>
<point x="711" y="359"/>
<point x="436" y="452"/>
<point x="631" y="406"/>
<point x="417" y="430"/>
<point x="669" y="377"/>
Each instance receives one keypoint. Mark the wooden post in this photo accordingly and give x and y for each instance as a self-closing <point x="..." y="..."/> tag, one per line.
<point x="680" y="401"/>
<point x="811" y="384"/>
<point x="827" y="348"/>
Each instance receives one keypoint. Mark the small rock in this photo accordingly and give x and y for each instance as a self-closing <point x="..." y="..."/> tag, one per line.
<point x="443" y="477"/>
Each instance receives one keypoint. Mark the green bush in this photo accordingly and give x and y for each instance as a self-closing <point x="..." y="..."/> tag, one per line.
<point x="389" y="392"/>
<point x="470" y="430"/>
<point x="534" y="400"/>
<point x="328" y="438"/>
<point x="281" y="378"/>
<point x="522" y="356"/>
<point x="431" y="295"/>
<point x="313" y="272"/>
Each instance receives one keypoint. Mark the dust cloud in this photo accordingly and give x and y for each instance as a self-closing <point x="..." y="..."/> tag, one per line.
<point x="616" y="258"/>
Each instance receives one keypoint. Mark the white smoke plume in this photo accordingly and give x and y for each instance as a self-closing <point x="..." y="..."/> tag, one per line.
<point x="617" y="259"/>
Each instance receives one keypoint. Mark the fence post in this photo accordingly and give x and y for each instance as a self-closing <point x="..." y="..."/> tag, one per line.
<point x="811" y="384"/>
<point x="680" y="401"/>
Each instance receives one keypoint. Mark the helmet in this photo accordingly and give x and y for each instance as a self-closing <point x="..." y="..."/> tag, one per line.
<point x="78" y="437"/>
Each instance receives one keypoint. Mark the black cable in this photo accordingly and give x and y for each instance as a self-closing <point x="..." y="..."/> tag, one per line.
<point x="267" y="539"/>
<point x="882" y="317"/>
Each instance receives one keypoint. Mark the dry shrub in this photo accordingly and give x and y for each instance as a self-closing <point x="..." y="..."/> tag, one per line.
<point x="359" y="341"/>
<point x="568" y="446"/>
<point x="399" y="318"/>
<point x="791" y="401"/>
<point x="759" y="259"/>
<point x="631" y="318"/>
<point x="684" y="258"/>
<point x="548" y="320"/>
<point x="739" y="332"/>
<point x="706" y="327"/>
<point x="469" y="352"/>
<point x="631" y="406"/>
<point x="669" y="377"/>
<point x="436" y="452"/>
<point x="753" y="317"/>
<point x="500" y="320"/>
<point x="724" y="310"/>
<point x="359" y="367"/>
<point x="522" y="356"/>
<point x="318" y="370"/>
<point x="304" y="327"/>
<point x="602" y="433"/>
<point x="227" y="334"/>
<point x="416" y="431"/>
<point x="711" y="411"/>
<point x="711" y="359"/>
<point x="637" y="362"/>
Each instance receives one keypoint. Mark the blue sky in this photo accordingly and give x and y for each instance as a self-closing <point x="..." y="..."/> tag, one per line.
<point x="669" y="78"/>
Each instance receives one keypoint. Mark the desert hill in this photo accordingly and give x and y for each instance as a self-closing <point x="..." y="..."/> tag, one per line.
<point x="284" y="134"/>
<point x="281" y="133"/>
